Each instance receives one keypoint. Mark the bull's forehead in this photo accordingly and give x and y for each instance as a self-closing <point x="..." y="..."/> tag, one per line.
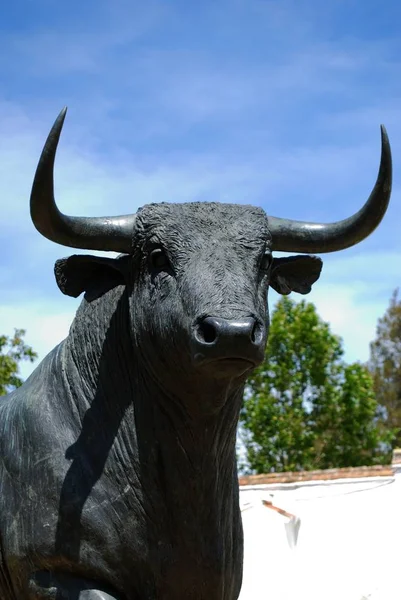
<point x="197" y="223"/>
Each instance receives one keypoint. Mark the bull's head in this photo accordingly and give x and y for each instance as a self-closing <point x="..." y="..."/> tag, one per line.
<point x="197" y="274"/>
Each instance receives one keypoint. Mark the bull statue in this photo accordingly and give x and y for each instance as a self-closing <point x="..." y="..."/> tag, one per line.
<point x="118" y="472"/>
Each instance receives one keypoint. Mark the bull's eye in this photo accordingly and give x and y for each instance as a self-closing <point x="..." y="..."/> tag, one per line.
<point x="266" y="261"/>
<point x="158" y="259"/>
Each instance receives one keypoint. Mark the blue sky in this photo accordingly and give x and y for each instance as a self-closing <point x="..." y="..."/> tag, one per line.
<point x="273" y="103"/>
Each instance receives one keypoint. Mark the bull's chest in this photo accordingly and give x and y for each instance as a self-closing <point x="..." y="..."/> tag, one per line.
<point x="164" y="555"/>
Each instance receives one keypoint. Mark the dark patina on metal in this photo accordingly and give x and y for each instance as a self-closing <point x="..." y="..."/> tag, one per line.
<point x="118" y="470"/>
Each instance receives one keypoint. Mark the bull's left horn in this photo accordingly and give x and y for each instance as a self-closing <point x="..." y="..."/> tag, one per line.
<point x="300" y="236"/>
<point x="91" y="233"/>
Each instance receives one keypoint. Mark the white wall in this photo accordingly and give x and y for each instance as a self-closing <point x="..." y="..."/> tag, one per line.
<point x="347" y="545"/>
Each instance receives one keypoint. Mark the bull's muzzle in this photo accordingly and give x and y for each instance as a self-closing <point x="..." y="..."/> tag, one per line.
<point x="240" y="343"/>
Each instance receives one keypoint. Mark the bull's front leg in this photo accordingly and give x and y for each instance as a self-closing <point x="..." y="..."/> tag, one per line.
<point x="44" y="585"/>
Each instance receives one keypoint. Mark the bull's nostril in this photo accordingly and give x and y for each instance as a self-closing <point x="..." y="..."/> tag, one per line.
<point x="256" y="334"/>
<point x="206" y="332"/>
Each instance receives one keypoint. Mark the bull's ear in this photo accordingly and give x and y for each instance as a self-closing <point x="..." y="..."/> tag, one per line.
<point x="295" y="273"/>
<point x="91" y="274"/>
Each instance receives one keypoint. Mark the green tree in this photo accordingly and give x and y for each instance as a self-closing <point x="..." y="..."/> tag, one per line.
<point x="385" y="363"/>
<point x="304" y="408"/>
<point x="351" y="429"/>
<point x="12" y="351"/>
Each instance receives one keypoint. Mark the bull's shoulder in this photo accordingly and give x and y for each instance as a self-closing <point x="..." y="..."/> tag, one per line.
<point x="39" y="385"/>
<point x="32" y="423"/>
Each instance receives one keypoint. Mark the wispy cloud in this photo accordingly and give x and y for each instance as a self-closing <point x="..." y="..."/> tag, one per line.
<point x="82" y="39"/>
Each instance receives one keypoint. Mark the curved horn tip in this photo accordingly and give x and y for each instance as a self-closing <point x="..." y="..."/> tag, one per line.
<point x="54" y="134"/>
<point x="384" y="135"/>
<point x="386" y="159"/>
<point x="59" y="122"/>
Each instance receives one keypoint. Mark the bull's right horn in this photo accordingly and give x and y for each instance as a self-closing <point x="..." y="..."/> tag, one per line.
<point x="299" y="236"/>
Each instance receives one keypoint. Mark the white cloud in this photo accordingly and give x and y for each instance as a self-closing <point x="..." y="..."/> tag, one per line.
<point x="45" y="324"/>
<point x="350" y="317"/>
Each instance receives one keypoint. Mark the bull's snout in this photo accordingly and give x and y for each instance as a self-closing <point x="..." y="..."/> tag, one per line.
<point x="239" y="340"/>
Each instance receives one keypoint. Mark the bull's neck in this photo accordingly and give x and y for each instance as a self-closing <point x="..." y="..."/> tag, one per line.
<point x="188" y="477"/>
<point x="199" y="443"/>
<point x="97" y="357"/>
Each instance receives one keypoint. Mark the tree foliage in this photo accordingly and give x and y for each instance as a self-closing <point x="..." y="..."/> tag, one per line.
<point x="12" y="351"/>
<point x="304" y="408"/>
<point x="385" y="363"/>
